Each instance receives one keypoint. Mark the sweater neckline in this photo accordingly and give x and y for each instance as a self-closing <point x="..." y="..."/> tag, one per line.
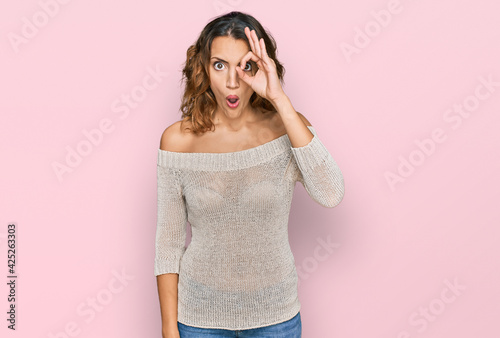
<point x="229" y="160"/>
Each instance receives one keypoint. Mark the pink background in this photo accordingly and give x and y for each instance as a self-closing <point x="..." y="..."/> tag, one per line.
<point x="415" y="259"/>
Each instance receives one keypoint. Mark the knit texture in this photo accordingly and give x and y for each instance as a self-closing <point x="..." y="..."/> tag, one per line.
<point x="238" y="272"/>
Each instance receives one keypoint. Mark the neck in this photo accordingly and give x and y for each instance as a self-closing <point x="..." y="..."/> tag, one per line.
<point x="234" y="121"/>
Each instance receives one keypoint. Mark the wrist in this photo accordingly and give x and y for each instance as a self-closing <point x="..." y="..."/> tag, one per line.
<point x="170" y="332"/>
<point x="281" y="102"/>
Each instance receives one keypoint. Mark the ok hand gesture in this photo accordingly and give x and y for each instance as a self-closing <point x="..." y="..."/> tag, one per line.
<point x="265" y="82"/>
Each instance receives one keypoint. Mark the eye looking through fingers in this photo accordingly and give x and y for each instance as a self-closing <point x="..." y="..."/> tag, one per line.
<point x="251" y="64"/>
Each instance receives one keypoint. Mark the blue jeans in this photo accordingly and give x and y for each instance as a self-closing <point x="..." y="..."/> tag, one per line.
<point x="291" y="328"/>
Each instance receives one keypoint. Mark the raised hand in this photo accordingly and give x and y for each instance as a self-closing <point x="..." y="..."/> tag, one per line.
<point x="265" y="82"/>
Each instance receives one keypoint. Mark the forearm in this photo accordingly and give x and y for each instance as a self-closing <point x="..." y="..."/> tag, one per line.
<point x="297" y="131"/>
<point x="167" y="292"/>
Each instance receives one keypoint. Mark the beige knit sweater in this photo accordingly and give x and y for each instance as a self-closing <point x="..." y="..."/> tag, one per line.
<point x="238" y="272"/>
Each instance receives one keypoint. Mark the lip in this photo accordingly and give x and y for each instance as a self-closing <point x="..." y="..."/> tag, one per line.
<point x="233" y="105"/>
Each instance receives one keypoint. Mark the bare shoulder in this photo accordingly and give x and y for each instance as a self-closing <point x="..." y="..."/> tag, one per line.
<point x="175" y="139"/>
<point x="304" y="119"/>
<point x="277" y="123"/>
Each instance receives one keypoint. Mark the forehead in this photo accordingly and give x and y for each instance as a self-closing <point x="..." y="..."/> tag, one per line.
<point x="228" y="48"/>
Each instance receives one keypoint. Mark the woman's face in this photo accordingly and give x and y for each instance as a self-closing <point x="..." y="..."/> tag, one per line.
<point x="226" y="54"/>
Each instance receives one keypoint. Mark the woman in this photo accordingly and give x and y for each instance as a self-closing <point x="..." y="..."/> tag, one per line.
<point x="229" y="168"/>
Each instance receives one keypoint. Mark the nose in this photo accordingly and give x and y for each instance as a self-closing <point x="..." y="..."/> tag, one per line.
<point x="233" y="80"/>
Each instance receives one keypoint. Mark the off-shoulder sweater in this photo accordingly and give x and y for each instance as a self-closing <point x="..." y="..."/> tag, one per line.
<point x="238" y="272"/>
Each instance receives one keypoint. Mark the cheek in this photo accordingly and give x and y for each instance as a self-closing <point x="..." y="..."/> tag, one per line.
<point x="215" y="83"/>
<point x="248" y="90"/>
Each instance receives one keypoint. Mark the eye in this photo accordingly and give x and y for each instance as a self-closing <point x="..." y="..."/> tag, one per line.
<point x="248" y="64"/>
<point x="215" y="65"/>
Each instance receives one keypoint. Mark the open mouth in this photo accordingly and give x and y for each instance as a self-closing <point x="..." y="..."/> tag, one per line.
<point x="232" y="101"/>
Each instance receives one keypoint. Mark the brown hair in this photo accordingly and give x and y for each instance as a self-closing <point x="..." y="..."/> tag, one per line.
<point x="198" y="101"/>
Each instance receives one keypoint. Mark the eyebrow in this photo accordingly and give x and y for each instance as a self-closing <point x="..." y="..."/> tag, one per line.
<point x="218" y="58"/>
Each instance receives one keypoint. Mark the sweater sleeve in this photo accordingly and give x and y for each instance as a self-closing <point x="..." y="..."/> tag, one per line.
<point x="171" y="221"/>
<point x="318" y="172"/>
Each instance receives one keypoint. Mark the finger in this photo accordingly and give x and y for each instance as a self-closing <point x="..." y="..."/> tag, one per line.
<point x="256" y="44"/>
<point x="249" y="56"/>
<point x="243" y="76"/>
<point x="266" y="60"/>
<point x="264" y="55"/>
<point x="256" y="48"/>
<point x="250" y="40"/>
<point x="269" y="64"/>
